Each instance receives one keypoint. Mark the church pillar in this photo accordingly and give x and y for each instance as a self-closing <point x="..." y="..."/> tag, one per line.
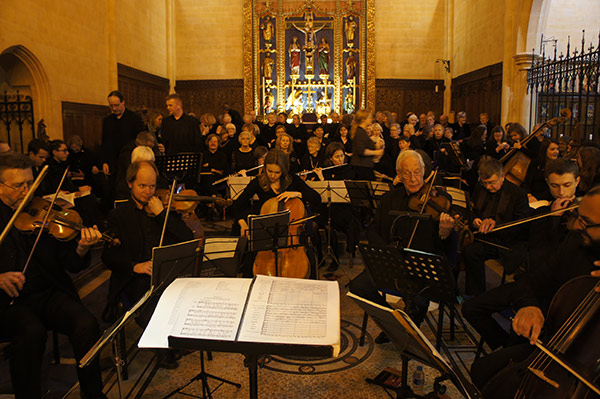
<point x="448" y="52"/>
<point x="170" y="7"/>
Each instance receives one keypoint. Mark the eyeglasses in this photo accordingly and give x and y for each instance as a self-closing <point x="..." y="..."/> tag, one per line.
<point x="407" y="174"/>
<point x="489" y="183"/>
<point x="585" y="225"/>
<point x="20" y="186"/>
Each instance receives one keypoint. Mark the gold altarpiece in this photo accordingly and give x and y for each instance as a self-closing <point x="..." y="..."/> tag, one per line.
<point x="309" y="56"/>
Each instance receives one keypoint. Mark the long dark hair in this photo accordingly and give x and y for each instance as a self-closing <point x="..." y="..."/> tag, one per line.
<point x="590" y="166"/>
<point x="279" y="158"/>
<point x="543" y="149"/>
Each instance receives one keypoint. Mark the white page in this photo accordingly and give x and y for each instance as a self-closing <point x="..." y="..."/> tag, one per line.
<point x="202" y="308"/>
<point x="219" y="248"/>
<point x="292" y="311"/>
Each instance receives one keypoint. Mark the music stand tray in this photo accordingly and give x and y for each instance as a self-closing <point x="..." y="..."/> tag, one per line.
<point x="412" y="344"/>
<point x="237" y="184"/>
<point x="266" y="229"/>
<point x="178" y="166"/>
<point x="222" y="256"/>
<point x="360" y="193"/>
<point x="410" y="272"/>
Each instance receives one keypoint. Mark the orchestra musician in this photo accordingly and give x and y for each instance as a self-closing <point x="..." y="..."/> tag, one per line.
<point x="578" y="255"/>
<point x="274" y="181"/>
<point x="430" y="236"/>
<point x="545" y="236"/>
<point x="44" y="296"/>
<point x="495" y="201"/>
<point x="138" y="225"/>
<point x="342" y="218"/>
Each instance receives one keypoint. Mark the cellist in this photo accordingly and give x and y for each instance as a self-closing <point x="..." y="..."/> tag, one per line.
<point x="578" y="255"/>
<point x="43" y="297"/>
<point x="274" y="181"/>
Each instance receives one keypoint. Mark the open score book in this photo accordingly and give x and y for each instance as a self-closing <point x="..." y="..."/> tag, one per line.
<point x="265" y="309"/>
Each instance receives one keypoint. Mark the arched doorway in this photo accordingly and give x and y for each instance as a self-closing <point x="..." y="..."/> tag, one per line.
<point x="24" y="96"/>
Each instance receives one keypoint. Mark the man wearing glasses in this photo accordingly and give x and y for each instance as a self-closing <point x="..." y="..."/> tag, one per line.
<point x="495" y="202"/>
<point x="43" y="297"/>
<point x="430" y="236"/>
<point x="578" y="255"/>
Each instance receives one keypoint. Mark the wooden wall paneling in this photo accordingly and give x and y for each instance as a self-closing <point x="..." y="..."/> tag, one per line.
<point x="210" y="96"/>
<point x="404" y="95"/>
<point x="142" y="89"/>
<point x="84" y="120"/>
<point x="479" y="91"/>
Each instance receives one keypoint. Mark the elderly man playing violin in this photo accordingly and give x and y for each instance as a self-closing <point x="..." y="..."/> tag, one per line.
<point x="43" y="297"/>
<point x="430" y="236"/>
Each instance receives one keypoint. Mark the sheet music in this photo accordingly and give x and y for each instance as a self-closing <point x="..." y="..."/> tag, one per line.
<point x="292" y="311"/>
<point x="197" y="308"/>
<point x="219" y="248"/>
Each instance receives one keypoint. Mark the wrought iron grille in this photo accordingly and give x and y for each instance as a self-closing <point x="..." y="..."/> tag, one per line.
<point x="567" y="81"/>
<point x="16" y="115"/>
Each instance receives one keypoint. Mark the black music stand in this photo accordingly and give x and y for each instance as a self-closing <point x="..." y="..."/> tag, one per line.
<point x="169" y="263"/>
<point x="269" y="233"/>
<point x="413" y="345"/>
<point x="180" y="166"/>
<point x="331" y="191"/>
<point x="222" y="256"/>
<point x="360" y="193"/>
<point x="411" y="273"/>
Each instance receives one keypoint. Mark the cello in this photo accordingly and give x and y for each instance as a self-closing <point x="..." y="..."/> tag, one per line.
<point x="286" y="262"/>
<point x="567" y="366"/>
<point x="516" y="162"/>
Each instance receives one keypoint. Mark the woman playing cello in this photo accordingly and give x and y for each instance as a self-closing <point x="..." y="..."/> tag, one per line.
<point x="274" y="181"/>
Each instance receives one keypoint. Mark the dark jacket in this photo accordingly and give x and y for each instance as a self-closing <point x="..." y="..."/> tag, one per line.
<point x="116" y="132"/>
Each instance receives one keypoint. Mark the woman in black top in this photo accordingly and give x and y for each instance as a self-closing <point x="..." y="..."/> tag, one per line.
<point x="342" y="217"/>
<point x="213" y="162"/>
<point x="497" y="145"/>
<point x="243" y="157"/>
<point x="364" y="150"/>
<point x="343" y="137"/>
<point x="298" y="131"/>
<point x="285" y="143"/>
<point x="314" y="158"/>
<point x="274" y="181"/>
<point x="535" y="181"/>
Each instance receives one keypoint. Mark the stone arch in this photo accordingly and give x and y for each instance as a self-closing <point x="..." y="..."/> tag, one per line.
<point x="40" y="86"/>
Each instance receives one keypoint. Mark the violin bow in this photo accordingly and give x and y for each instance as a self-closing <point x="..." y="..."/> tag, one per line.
<point x="24" y="203"/>
<point x="46" y="217"/>
<point x="427" y="194"/>
<point x="164" y="228"/>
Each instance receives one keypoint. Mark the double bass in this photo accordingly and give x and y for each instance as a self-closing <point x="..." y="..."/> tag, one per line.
<point x="285" y="262"/>
<point x="516" y="162"/>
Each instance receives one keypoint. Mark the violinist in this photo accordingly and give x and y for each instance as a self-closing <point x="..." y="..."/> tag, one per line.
<point x="38" y="152"/>
<point x="274" y="181"/>
<point x="578" y="255"/>
<point x="138" y="226"/>
<point x="342" y="218"/>
<point x="495" y="201"/>
<point x="545" y="236"/>
<point x="44" y="296"/>
<point x="431" y="236"/>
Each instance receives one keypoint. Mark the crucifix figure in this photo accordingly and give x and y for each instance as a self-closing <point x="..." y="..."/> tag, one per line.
<point x="309" y="41"/>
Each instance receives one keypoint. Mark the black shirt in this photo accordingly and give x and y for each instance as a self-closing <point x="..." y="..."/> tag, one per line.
<point x="361" y="143"/>
<point x="181" y="135"/>
<point x="116" y="132"/>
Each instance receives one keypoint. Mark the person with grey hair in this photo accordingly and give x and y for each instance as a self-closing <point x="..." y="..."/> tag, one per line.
<point x="496" y="201"/>
<point x="462" y="130"/>
<point x="431" y="235"/>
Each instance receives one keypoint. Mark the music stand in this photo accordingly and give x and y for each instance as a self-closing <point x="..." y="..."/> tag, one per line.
<point x="179" y="166"/>
<point x="269" y="233"/>
<point x="331" y="191"/>
<point x="360" y="193"/>
<point x="413" y="345"/>
<point x="411" y="273"/>
<point x="222" y="256"/>
<point x="237" y="184"/>
<point x="178" y="259"/>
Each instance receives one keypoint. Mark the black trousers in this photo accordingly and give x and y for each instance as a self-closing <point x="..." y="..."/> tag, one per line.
<point x="478" y="312"/>
<point x="26" y="323"/>
<point x="486" y="368"/>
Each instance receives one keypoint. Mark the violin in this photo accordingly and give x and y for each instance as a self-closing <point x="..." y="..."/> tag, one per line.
<point x="566" y="366"/>
<point x="436" y="205"/>
<point x="64" y="225"/>
<point x="291" y="262"/>
<point x="187" y="200"/>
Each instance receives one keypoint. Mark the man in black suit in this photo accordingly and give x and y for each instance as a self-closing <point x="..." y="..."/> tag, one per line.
<point x="496" y="201"/>
<point x="118" y="129"/>
<point x="180" y="131"/>
<point x="138" y="226"/>
<point x="43" y="297"/>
